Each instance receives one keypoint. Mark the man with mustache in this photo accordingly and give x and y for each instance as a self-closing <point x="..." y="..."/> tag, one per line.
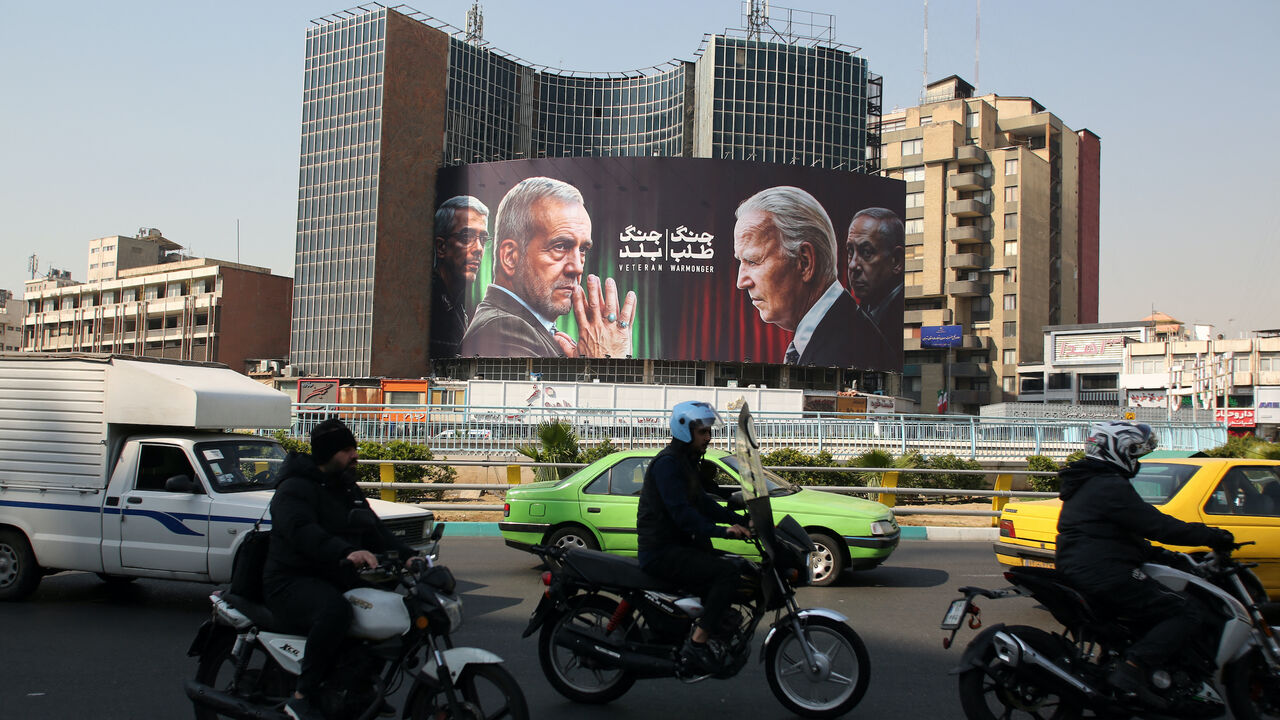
<point x="462" y="231"/>
<point x="543" y="234"/>
<point x="786" y="249"/>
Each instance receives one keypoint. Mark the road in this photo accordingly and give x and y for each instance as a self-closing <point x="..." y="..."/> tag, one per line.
<point x="80" y="648"/>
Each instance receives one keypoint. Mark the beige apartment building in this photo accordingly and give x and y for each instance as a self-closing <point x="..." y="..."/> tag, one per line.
<point x="173" y="306"/>
<point x="1001" y="235"/>
<point x="10" y="322"/>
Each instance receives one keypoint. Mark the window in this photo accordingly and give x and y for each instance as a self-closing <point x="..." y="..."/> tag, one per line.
<point x="914" y="227"/>
<point x="1010" y="357"/>
<point x="1011" y="166"/>
<point x="1011" y="329"/>
<point x="1010" y="221"/>
<point x="1246" y="491"/>
<point x="980" y="310"/>
<point x="1010" y="248"/>
<point x="972" y="119"/>
<point x="158" y="463"/>
<point x="1011" y="302"/>
<point x="1011" y="193"/>
<point x="1268" y="363"/>
<point x="1008" y="384"/>
<point x="926" y="119"/>
<point x="1147" y="366"/>
<point x="915" y="200"/>
<point x="891" y="125"/>
<point x="625" y="478"/>
<point x="913" y="174"/>
<point x="1240" y="363"/>
<point x="912" y="147"/>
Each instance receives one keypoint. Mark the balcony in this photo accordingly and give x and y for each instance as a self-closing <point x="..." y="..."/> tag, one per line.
<point x="967" y="208"/>
<point x="967" y="261"/>
<point x="941" y="316"/>
<point x="970" y="155"/>
<point x="969" y="397"/>
<point x="976" y="342"/>
<point x="913" y="264"/>
<point x="968" y="181"/>
<point x="968" y="288"/>
<point x="965" y="233"/>
<point x="969" y="369"/>
<point x="918" y="291"/>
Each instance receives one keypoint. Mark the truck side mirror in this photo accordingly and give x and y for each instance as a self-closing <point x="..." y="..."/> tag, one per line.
<point x="437" y="532"/>
<point x="181" y="484"/>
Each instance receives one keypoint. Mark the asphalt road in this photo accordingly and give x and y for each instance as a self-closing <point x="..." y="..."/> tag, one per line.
<point x="80" y="648"/>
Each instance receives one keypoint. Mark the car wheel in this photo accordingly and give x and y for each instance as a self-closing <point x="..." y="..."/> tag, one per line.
<point x="827" y="560"/>
<point x="573" y="537"/>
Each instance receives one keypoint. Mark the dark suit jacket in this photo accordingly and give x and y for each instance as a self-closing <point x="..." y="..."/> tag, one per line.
<point x="887" y="314"/>
<point x="502" y="327"/>
<point x="448" y="320"/>
<point x="846" y="337"/>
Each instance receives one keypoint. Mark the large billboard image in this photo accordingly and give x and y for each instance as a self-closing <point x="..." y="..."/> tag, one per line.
<point x="668" y="258"/>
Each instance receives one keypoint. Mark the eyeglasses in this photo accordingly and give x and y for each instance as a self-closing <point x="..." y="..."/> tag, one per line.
<point x="467" y="237"/>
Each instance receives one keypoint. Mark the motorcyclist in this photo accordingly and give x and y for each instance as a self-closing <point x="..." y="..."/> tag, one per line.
<point x="313" y="529"/>
<point x="676" y="520"/>
<point x="1102" y="544"/>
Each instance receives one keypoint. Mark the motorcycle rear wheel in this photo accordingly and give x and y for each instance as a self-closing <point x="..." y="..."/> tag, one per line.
<point x="263" y="683"/>
<point x="994" y="690"/>
<point x="488" y="691"/>
<point x="844" y="668"/>
<point x="1252" y="693"/>
<point x="577" y="678"/>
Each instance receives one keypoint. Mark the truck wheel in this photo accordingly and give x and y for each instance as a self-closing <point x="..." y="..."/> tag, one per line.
<point x="19" y="574"/>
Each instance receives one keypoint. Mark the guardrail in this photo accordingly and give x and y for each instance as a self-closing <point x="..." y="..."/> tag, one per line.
<point x="887" y="491"/>
<point x="498" y="431"/>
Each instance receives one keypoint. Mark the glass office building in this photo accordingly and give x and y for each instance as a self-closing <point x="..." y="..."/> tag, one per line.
<point x="391" y="95"/>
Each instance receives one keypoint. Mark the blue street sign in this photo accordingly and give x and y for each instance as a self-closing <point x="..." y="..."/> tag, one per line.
<point x="940" y="336"/>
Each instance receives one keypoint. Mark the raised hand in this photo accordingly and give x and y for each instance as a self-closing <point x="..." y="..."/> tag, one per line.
<point x="604" y="329"/>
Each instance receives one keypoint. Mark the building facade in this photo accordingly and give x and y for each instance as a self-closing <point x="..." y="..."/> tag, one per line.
<point x="187" y="309"/>
<point x="10" y="322"/>
<point x="1001" y="235"/>
<point x="390" y="95"/>
<point x="1082" y="364"/>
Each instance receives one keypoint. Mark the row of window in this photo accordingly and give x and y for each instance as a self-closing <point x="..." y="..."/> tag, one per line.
<point x="1238" y="363"/>
<point x="124" y="295"/>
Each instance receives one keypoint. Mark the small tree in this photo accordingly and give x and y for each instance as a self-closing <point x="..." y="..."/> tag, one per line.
<point x="790" y="457"/>
<point x="870" y="459"/>
<point x="558" y="443"/>
<point x="1042" y="483"/>
<point x="595" y="452"/>
<point x="956" y="481"/>
<point x="912" y="459"/>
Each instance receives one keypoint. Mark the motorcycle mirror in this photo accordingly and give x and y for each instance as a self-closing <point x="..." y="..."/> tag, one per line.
<point x="437" y="532"/>
<point x="736" y="501"/>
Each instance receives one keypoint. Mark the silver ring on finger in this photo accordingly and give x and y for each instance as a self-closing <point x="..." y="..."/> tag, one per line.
<point x="611" y="317"/>
<point x="624" y="324"/>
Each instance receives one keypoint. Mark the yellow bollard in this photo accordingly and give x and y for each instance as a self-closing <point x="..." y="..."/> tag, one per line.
<point x="387" y="474"/>
<point x="1005" y="483"/>
<point x="513" y="474"/>
<point x="889" y="480"/>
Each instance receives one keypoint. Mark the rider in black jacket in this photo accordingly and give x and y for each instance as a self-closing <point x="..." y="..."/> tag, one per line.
<point x="677" y="518"/>
<point x="1102" y="544"/>
<point x="312" y="531"/>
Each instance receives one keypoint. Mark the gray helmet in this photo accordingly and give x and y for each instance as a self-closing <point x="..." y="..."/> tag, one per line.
<point x="1121" y="443"/>
<point x="692" y="414"/>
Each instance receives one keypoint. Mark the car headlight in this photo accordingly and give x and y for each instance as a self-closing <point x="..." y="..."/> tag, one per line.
<point x="883" y="527"/>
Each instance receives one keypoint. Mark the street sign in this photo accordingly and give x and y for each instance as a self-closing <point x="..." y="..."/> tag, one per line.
<point x="940" y="336"/>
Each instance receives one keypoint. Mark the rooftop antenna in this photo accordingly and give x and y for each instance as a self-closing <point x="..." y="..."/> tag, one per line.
<point x="475" y="23"/>
<point x="33" y="265"/>
<point x="977" y="46"/>
<point x="924" y="86"/>
<point x="757" y="18"/>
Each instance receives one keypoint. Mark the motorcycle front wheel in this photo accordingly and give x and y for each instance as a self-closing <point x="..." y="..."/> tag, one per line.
<point x="994" y="690"/>
<point x="1252" y="693"/>
<point x="262" y="683"/>
<point x="842" y="676"/>
<point x="488" y="692"/>
<point x="579" y="678"/>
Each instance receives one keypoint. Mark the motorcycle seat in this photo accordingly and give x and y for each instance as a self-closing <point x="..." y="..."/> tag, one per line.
<point x="613" y="570"/>
<point x="261" y="615"/>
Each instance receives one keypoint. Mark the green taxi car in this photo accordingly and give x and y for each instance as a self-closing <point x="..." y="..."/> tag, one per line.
<point x="596" y="508"/>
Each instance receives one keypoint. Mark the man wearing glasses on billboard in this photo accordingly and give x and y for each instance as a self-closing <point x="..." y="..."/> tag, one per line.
<point x="543" y="234"/>
<point x="462" y="231"/>
<point x="877" y="252"/>
<point x="786" y="249"/>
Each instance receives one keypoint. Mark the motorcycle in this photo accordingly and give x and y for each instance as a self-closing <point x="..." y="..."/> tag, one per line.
<point x="605" y="623"/>
<point x="249" y="659"/>
<point x="1015" y="670"/>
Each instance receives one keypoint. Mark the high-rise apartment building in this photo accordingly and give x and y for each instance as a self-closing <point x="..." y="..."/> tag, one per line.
<point x="391" y="94"/>
<point x="1001" y="235"/>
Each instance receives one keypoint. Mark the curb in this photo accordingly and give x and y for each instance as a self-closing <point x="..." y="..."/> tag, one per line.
<point x="909" y="532"/>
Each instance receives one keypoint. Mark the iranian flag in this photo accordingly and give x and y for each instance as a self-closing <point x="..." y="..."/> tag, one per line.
<point x="943" y="399"/>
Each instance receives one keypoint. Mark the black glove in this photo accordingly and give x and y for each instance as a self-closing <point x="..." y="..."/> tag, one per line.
<point x="1177" y="561"/>
<point x="1221" y="539"/>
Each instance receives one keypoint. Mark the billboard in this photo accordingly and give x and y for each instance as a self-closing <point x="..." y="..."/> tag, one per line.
<point x="648" y="258"/>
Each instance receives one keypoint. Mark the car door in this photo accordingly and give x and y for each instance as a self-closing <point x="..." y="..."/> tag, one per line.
<point x="1246" y="501"/>
<point x="162" y="529"/>
<point x="609" y="504"/>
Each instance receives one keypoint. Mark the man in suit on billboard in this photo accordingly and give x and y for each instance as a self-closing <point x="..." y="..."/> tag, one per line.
<point x="462" y="231"/>
<point x="877" y="251"/>
<point x="786" y="249"/>
<point x="543" y="233"/>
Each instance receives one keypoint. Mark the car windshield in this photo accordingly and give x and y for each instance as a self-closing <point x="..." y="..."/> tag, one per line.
<point x="777" y="486"/>
<point x="1158" y="482"/>
<point x="241" y="465"/>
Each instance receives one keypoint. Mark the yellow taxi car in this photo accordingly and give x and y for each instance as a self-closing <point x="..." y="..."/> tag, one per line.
<point x="1237" y="494"/>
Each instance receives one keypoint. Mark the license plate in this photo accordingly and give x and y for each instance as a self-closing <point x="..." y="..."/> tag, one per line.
<point x="955" y="614"/>
<point x="1028" y="562"/>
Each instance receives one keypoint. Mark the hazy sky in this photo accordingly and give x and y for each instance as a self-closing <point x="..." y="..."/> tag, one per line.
<point x="185" y="116"/>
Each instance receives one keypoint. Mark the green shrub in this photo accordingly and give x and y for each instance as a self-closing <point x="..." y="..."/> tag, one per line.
<point x="870" y="459"/>
<point x="400" y="450"/>
<point x="558" y="443"/>
<point x="1042" y="483"/>
<point x="955" y="481"/>
<point x="291" y="444"/>
<point x="790" y="457"/>
<point x="904" y="463"/>
<point x="1246" y="446"/>
<point x="594" y="453"/>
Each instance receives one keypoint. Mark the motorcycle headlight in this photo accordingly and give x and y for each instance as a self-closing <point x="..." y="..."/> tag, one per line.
<point x="452" y="606"/>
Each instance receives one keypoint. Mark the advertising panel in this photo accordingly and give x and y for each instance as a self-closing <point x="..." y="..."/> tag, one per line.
<point x="654" y="258"/>
<point x="1267" y="400"/>
<point x="1235" y="417"/>
<point x="1071" y="348"/>
<point x="940" y="336"/>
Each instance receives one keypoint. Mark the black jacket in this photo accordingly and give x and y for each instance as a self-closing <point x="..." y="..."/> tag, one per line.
<point x="675" y="507"/>
<point x="1104" y="524"/>
<point x="848" y="337"/>
<point x="311" y="531"/>
<point x="502" y="327"/>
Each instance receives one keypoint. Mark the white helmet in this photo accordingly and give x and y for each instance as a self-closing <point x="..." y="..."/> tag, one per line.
<point x="690" y="415"/>
<point x="1121" y="443"/>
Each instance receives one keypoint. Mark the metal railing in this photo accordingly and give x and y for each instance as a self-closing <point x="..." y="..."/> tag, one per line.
<point x="498" y="431"/>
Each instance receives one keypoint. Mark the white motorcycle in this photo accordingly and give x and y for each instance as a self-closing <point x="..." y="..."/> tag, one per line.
<point x="250" y="660"/>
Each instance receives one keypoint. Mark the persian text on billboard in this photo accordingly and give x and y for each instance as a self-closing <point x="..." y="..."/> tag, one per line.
<point x="655" y="258"/>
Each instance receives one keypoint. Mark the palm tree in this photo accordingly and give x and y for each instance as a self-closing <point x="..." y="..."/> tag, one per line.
<point x="558" y="444"/>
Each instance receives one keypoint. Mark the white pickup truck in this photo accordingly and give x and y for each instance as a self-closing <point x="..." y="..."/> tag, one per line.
<point x="124" y="468"/>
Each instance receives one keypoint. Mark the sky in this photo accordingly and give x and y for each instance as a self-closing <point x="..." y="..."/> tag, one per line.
<point x="185" y="116"/>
